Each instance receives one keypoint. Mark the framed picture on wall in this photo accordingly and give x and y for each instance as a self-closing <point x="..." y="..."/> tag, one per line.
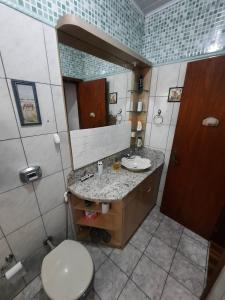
<point x="175" y="94"/>
<point x="27" y="102"/>
<point x="113" y="98"/>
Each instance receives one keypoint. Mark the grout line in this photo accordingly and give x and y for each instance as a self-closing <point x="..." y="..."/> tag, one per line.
<point x="43" y="177"/>
<point x="36" y="197"/>
<point x="191" y="261"/>
<point x="202" y="244"/>
<point x="63" y="96"/>
<point x="34" y="135"/>
<point x="11" y="99"/>
<point x="38" y="82"/>
<point x="185" y="287"/>
<point x="171" y="264"/>
<point x="129" y="277"/>
<point x="42" y="214"/>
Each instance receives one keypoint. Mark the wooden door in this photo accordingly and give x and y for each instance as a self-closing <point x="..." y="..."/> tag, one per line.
<point x="92" y="103"/>
<point x="194" y="193"/>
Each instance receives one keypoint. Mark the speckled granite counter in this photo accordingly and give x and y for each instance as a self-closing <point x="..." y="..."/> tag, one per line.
<point x="114" y="185"/>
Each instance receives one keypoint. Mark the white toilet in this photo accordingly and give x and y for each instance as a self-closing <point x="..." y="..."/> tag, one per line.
<point x="67" y="271"/>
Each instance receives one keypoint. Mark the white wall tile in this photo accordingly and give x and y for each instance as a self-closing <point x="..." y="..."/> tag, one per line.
<point x="165" y="107"/>
<point x="163" y="180"/>
<point x="130" y="82"/>
<point x="12" y="160"/>
<point x="167" y="160"/>
<point x="159" y="198"/>
<point x="65" y="149"/>
<point x="27" y="239"/>
<point x="110" y="83"/>
<point x="60" y="113"/>
<point x="163" y="78"/>
<point x="167" y="78"/>
<point x="159" y="135"/>
<point x="4" y="251"/>
<point x="18" y="207"/>
<point x="147" y="134"/>
<point x="154" y="78"/>
<point x="42" y="151"/>
<point x="2" y="73"/>
<point x="170" y="137"/>
<point x="22" y="46"/>
<point x="52" y="54"/>
<point x="90" y="145"/>
<point x="120" y="85"/>
<point x="55" y="223"/>
<point x="176" y="108"/>
<point x="182" y="73"/>
<point x="50" y="191"/>
<point x="8" y="125"/>
<point x="150" y="109"/>
<point x="66" y="173"/>
<point x="46" y="110"/>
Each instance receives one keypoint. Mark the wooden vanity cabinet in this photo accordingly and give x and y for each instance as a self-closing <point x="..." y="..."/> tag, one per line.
<point x="139" y="202"/>
<point x="124" y="217"/>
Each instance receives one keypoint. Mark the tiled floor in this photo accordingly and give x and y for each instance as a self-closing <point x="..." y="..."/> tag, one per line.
<point x="163" y="261"/>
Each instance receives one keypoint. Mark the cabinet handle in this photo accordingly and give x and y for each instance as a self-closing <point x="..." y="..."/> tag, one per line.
<point x="149" y="190"/>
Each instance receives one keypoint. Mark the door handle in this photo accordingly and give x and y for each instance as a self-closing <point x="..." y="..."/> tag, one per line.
<point x="174" y="160"/>
<point x="149" y="190"/>
<point x="92" y="115"/>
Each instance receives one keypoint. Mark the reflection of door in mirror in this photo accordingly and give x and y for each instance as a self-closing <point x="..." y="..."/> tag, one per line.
<point x="92" y="103"/>
<point x="86" y="103"/>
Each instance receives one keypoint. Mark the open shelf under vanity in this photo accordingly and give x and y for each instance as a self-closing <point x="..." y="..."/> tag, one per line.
<point x="124" y="216"/>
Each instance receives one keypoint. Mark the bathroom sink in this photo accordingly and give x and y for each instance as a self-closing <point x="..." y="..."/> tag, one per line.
<point x="136" y="163"/>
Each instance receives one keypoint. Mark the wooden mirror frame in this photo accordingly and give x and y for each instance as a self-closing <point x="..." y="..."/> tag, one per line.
<point x="76" y="33"/>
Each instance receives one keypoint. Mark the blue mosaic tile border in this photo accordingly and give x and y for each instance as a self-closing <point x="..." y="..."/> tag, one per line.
<point x="80" y="65"/>
<point x="185" y="30"/>
<point x="120" y="19"/>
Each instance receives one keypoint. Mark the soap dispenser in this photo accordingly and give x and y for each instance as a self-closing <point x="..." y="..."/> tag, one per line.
<point x="100" y="167"/>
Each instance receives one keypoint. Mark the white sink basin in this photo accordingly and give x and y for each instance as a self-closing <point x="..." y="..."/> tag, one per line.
<point x="136" y="163"/>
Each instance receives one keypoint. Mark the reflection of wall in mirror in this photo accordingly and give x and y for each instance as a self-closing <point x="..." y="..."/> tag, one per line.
<point x="118" y="113"/>
<point x="71" y="105"/>
<point x="120" y="84"/>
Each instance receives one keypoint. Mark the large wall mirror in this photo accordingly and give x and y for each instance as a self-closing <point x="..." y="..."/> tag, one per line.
<point x="97" y="92"/>
<point x="100" y="77"/>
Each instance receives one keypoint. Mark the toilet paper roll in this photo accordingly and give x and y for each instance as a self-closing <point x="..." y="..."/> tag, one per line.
<point x="11" y="272"/>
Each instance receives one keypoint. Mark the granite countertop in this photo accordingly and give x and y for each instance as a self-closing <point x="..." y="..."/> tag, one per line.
<point x="114" y="185"/>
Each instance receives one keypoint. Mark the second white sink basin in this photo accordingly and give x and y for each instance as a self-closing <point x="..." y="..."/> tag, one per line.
<point x="136" y="163"/>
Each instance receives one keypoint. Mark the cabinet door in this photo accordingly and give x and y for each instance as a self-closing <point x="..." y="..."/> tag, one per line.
<point x="140" y="202"/>
<point x="146" y="192"/>
<point x="131" y="217"/>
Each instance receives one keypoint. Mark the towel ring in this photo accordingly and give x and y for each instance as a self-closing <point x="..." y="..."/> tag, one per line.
<point x="158" y="118"/>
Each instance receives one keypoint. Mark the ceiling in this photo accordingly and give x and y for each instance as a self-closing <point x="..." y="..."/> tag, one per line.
<point x="148" y="6"/>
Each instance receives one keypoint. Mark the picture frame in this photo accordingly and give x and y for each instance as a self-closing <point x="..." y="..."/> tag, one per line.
<point x="113" y="98"/>
<point x="27" y="102"/>
<point x="175" y="94"/>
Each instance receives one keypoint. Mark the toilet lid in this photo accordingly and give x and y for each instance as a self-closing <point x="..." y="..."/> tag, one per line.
<point x="67" y="271"/>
